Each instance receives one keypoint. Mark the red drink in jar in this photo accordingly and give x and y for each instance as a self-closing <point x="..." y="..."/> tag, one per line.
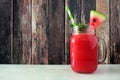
<point x="83" y="52"/>
<point x="84" y="44"/>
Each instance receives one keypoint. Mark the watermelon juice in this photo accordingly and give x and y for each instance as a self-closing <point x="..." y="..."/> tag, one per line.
<point x="83" y="43"/>
<point x="83" y="52"/>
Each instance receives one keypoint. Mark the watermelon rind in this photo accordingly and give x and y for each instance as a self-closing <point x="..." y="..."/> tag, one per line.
<point x="94" y="13"/>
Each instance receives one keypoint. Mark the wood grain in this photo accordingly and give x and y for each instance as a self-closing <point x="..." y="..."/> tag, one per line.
<point x="115" y="31"/>
<point x="56" y="31"/>
<point x="39" y="32"/>
<point x="5" y="35"/>
<point x="25" y="24"/>
<point x="87" y="6"/>
<point x="11" y="30"/>
<point x="17" y="38"/>
<point x="22" y="32"/>
<point x="103" y="30"/>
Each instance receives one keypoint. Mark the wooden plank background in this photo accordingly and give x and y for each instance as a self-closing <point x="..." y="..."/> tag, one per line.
<point x="114" y="31"/>
<point x="103" y="30"/>
<point x="38" y="31"/>
<point x="5" y="25"/>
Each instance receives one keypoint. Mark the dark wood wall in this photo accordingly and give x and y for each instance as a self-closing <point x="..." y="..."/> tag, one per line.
<point x="38" y="31"/>
<point x="115" y="31"/>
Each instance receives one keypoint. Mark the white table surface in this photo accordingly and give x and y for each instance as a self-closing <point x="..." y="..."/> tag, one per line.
<point x="56" y="72"/>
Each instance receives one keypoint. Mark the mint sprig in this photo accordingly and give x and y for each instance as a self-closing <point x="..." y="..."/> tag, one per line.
<point x="82" y="27"/>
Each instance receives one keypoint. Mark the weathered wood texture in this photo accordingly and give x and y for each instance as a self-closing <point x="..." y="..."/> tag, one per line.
<point x="102" y="31"/>
<point x="81" y="11"/>
<point x="25" y="25"/>
<point x="115" y="31"/>
<point x="40" y="32"/>
<point x="22" y="31"/>
<point x="17" y="38"/>
<point x="56" y="32"/>
<point x="5" y="35"/>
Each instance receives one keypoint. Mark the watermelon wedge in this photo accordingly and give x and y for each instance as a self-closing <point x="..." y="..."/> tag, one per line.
<point x="96" y="18"/>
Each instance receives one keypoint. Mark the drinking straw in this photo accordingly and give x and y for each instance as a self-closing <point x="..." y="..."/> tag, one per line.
<point x="70" y="16"/>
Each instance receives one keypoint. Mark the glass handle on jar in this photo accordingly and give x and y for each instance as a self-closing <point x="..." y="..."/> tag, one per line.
<point x="102" y="58"/>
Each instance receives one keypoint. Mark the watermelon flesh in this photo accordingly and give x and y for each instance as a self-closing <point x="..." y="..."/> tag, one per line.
<point x="96" y="18"/>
